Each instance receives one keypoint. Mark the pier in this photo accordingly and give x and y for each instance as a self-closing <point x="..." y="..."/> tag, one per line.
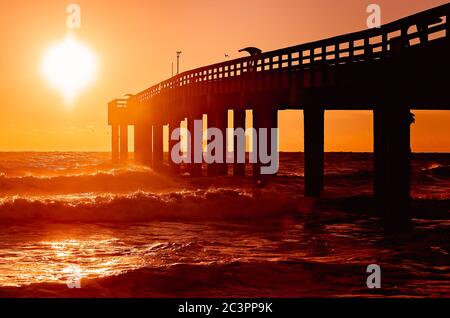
<point x="391" y="70"/>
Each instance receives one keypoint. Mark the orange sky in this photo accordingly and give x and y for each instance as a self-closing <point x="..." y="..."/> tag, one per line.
<point x="135" y="42"/>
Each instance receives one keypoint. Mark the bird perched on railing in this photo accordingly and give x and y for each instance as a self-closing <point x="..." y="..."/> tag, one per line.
<point x="254" y="53"/>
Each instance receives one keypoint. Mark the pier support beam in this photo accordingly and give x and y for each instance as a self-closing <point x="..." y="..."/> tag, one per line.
<point x="380" y="153"/>
<point x="263" y="118"/>
<point x="124" y="142"/>
<point x="174" y="168"/>
<point x="115" y="143"/>
<point x="147" y="145"/>
<point x="212" y="123"/>
<point x="195" y="169"/>
<point x="222" y="123"/>
<point x="158" y="146"/>
<point x="238" y="122"/>
<point x="392" y="163"/>
<point x="314" y="150"/>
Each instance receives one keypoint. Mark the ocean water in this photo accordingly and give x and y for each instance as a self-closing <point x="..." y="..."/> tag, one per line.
<point x="128" y="231"/>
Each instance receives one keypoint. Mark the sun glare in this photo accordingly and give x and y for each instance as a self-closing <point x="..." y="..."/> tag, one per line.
<point x="69" y="67"/>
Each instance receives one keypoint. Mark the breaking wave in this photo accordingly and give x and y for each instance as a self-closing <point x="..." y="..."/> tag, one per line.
<point x="438" y="170"/>
<point x="113" y="180"/>
<point x="212" y="204"/>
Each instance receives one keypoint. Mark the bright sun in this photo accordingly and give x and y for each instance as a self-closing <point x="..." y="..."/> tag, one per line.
<point x="69" y="66"/>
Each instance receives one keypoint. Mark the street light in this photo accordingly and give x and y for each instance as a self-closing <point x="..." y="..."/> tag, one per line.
<point x="178" y="61"/>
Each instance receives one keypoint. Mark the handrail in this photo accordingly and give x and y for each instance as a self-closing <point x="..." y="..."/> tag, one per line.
<point x="361" y="46"/>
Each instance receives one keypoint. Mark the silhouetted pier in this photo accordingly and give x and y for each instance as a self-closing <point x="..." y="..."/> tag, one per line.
<point x="403" y="65"/>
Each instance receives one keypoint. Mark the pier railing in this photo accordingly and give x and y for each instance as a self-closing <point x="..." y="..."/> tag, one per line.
<point x="362" y="46"/>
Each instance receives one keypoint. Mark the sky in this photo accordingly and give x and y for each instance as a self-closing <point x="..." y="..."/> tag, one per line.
<point x="135" y="44"/>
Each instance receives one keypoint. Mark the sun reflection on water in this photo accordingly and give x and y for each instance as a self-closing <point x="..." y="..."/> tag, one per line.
<point x="54" y="260"/>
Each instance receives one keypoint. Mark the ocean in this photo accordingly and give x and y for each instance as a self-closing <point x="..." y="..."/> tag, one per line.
<point x="128" y="231"/>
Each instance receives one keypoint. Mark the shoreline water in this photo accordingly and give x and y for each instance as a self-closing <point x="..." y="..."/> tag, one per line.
<point x="136" y="233"/>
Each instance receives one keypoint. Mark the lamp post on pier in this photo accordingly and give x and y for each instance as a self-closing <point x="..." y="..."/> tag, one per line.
<point x="178" y="61"/>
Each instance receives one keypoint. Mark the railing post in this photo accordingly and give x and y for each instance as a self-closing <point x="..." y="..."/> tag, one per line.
<point x="323" y="63"/>
<point x="351" y="50"/>
<point x="312" y="76"/>
<point x="405" y="39"/>
<point x="384" y="43"/>
<point x="336" y="54"/>
<point x="367" y="49"/>
<point x="423" y="33"/>
<point x="300" y="58"/>
<point x="324" y="54"/>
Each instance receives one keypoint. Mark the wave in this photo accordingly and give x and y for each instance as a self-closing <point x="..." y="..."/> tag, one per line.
<point x="438" y="170"/>
<point x="357" y="175"/>
<point x="113" y="180"/>
<point x="211" y="204"/>
<point x="214" y="279"/>
<point x="271" y="278"/>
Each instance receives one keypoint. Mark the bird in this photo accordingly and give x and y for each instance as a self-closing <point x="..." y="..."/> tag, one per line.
<point x="253" y="51"/>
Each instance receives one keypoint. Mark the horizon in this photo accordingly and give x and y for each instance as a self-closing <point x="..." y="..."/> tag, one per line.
<point x="166" y="152"/>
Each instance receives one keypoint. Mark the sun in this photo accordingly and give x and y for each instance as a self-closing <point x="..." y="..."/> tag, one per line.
<point x="69" y="67"/>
